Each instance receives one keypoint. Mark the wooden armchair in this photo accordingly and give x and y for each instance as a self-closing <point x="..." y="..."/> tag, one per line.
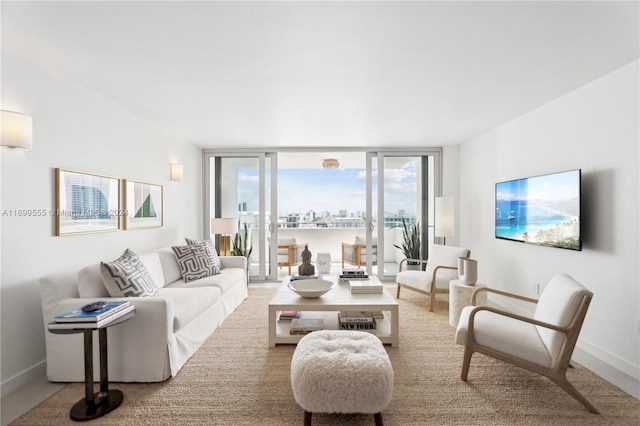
<point x="543" y="343"/>
<point x="289" y="252"/>
<point x="442" y="267"/>
<point x="356" y="253"/>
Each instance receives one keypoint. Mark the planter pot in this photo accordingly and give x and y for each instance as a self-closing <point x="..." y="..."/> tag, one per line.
<point x="413" y="267"/>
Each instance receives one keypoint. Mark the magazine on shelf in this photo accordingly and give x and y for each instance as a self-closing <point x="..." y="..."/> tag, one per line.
<point x="306" y="325"/>
<point x="78" y="315"/>
<point x="91" y="324"/>
<point x="287" y="316"/>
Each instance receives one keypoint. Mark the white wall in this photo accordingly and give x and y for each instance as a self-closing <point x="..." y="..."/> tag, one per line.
<point x="78" y="130"/>
<point x="594" y="128"/>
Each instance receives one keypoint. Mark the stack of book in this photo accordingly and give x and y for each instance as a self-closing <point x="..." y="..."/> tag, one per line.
<point x="306" y="325"/>
<point x="79" y="318"/>
<point x="287" y="316"/>
<point x="295" y="277"/>
<point x="352" y="274"/>
<point x="365" y="286"/>
<point x="357" y="320"/>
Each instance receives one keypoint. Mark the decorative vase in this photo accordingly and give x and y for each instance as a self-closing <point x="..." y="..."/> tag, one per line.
<point x="467" y="270"/>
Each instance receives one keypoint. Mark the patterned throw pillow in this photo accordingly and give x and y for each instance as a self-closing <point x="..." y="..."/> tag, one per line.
<point x="212" y="250"/>
<point x="195" y="262"/>
<point x="127" y="277"/>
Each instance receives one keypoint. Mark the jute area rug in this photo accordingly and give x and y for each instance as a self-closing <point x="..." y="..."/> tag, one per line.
<point x="236" y="379"/>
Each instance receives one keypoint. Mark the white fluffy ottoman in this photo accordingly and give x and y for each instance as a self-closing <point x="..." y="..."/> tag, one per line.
<point x="340" y="371"/>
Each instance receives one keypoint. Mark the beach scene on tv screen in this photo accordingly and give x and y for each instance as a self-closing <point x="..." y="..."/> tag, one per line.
<point x="542" y="210"/>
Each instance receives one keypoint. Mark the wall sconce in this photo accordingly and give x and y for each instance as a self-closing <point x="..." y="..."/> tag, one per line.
<point x="224" y="227"/>
<point x="177" y="172"/>
<point x="17" y="130"/>
<point x="444" y="216"/>
<point x="330" y="163"/>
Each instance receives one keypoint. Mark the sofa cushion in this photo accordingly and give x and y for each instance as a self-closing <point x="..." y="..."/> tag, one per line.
<point x="189" y="303"/>
<point x="90" y="283"/>
<point x="212" y="249"/>
<point x="151" y="261"/>
<point x="195" y="262"/>
<point x="227" y="279"/>
<point x="127" y="276"/>
<point x="170" y="267"/>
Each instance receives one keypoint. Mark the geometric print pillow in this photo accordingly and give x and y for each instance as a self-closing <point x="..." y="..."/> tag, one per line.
<point x="212" y="250"/>
<point x="127" y="277"/>
<point x="195" y="262"/>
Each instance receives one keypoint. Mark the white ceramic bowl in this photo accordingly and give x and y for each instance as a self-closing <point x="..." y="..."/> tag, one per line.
<point x="310" y="288"/>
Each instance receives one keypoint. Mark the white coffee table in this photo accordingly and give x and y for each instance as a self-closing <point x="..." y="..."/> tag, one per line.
<point x="339" y="298"/>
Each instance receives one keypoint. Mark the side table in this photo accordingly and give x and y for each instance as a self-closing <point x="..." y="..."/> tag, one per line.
<point x="95" y="405"/>
<point x="460" y="296"/>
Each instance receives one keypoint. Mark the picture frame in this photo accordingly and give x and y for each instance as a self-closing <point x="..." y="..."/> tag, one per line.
<point x="86" y="203"/>
<point x="143" y="205"/>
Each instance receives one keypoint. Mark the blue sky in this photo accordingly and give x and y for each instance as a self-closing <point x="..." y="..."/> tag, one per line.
<point x="552" y="187"/>
<point x="301" y="190"/>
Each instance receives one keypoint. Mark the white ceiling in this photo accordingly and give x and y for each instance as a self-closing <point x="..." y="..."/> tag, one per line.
<point x="316" y="74"/>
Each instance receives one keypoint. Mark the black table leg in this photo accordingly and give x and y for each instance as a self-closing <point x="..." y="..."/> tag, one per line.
<point x="95" y="405"/>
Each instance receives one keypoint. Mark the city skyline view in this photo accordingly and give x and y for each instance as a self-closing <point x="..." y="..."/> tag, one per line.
<point x="332" y="190"/>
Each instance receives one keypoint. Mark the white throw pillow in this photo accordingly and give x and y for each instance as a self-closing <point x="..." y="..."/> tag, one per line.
<point x="127" y="277"/>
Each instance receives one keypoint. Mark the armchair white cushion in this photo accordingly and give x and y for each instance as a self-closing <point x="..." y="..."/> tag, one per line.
<point x="543" y="343"/>
<point x="356" y="253"/>
<point x="289" y="252"/>
<point x="442" y="267"/>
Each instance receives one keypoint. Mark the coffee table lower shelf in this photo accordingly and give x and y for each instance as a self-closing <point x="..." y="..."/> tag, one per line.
<point x="283" y="337"/>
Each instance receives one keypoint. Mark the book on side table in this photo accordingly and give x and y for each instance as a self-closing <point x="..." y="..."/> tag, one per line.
<point x="79" y="318"/>
<point x="80" y="315"/>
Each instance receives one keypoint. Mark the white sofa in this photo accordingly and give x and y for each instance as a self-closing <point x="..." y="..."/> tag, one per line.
<point x="165" y="331"/>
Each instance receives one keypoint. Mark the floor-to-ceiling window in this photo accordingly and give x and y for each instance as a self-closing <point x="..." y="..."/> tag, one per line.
<point x="324" y="199"/>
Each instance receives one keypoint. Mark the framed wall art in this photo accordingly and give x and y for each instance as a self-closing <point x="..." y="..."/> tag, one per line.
<point x="142" y="204"/>
<point x="86" y="202"/>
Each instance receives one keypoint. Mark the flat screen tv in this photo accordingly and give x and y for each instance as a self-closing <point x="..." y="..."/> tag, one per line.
<point x="542" y="210"/>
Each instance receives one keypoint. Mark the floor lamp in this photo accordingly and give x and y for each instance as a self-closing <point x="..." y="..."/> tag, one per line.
<point x="224" y="227"/>
<point x="444" y="218"/>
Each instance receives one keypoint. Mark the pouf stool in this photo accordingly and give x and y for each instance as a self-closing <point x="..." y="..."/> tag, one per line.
<point x="341" y="371"/>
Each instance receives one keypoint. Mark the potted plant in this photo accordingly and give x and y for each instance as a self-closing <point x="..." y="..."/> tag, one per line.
<point x="242" y="246"/>
<point x="410" y="243"/>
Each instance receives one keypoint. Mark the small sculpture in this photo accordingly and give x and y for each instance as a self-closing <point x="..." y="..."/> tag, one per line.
<point x="306" y="268"/>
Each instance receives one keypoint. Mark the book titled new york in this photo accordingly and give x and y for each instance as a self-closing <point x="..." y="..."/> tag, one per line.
<point x="91" y="324"/>
<point x="78" y="315"/>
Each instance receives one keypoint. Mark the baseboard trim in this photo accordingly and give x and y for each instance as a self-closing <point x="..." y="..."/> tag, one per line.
<point x="23" y="378"/>
<point x="610" y="373"/>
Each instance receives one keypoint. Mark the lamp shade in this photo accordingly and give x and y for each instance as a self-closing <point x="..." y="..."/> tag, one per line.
<point x="16" y="130"/>
<point x="177" y="172"/>
<point x="224" y="226"/>
<point x="444" y="217"/>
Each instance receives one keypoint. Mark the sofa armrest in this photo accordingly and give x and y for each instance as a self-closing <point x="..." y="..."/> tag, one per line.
<point x="138" y="348"/>
<point x="233" y="262"/>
